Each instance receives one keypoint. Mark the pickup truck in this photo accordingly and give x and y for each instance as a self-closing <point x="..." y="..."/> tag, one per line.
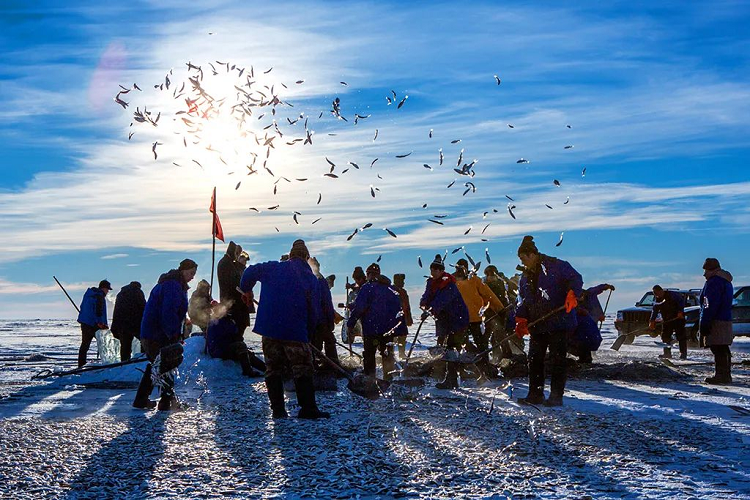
<point x="633" y="321"/>
<point x="741" y="311"/>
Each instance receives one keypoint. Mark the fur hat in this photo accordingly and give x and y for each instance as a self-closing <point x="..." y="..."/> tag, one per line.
<point x="373" y="268"/>
<point x="299" y="250"/>
<point x="438" y="263"/>
<point x="528" y="246"/>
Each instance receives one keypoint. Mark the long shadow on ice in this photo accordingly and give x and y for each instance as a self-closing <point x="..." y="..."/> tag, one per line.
<point x="344" y="455"/>
<point x="124" y="465"/>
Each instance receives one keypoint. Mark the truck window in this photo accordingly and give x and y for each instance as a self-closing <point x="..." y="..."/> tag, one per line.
<point x="743" y="297"/>
<point x="647" y="300"/>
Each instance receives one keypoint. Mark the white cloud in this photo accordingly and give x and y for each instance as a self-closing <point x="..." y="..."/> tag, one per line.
<point x="114" y="256"/>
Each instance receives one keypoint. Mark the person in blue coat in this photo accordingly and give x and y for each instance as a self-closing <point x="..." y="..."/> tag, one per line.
<point x="161" y="327"/>
<point x="587" y="337"/>
<point x="443" y="300"/>
<point x="547" y="292"/>
<point x="378" y="307"/>
<point x="92" y="316"/>
<point x="288" y="314"/>
<point x="224" y="340"/>
<point x="716" y="319"/>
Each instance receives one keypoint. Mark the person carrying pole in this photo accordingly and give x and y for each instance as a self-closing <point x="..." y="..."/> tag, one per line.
<point x="547" y="284"/>
<point x="92" y="316"/>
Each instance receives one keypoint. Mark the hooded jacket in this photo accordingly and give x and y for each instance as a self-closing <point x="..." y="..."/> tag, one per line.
<point x="165" y="309"/>
<point x="93" y="308"/>
<point x="378" y="306"/>
<point x="544" y="289"/>
<point x="716" y="298"/>
<point x="128" y="313"/>
<point x="289" y="306"/>
<point x="442" y="297"/>
<point x="591" y="304"/>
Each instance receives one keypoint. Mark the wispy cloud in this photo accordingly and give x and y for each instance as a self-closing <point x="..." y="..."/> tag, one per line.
<point x="114" y="256"/>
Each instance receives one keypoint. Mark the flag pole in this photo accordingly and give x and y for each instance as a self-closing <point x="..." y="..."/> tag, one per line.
<point x="213" y="244"/>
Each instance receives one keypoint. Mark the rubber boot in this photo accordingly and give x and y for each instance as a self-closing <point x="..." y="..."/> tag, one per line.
<point x="728" y="367"/>
<point x="532" y="398"/>
<point x="389" y="365"/>
<point x="401" y="352"/>
<point x="667" y="353"/>
<point x="723" y="375"/>
<point x="554" y="399"/>
<point x="683" y="349"/>
<point x="145" y="388"/>
<point x="275" y="388"/>
<point x="306" y="399"/>
<point x="451" y="378"/>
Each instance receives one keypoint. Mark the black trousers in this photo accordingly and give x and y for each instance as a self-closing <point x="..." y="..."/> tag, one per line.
<point x="556" y="342"/>
<point x="676" y="327"/>
<point x="87" y="335"/>
<point x="126" y="345"/>
<point x="385" y="346"/>
<point x="325" y="340"/>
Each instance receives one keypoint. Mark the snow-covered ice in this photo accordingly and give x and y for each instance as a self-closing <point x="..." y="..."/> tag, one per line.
<point x="620" y="437"/>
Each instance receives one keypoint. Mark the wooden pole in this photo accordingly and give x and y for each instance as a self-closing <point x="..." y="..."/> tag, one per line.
<point x="213" y="244"/>
<point x="66" y="294"/>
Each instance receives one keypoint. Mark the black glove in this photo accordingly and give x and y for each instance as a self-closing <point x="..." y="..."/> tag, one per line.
<point x="705" y="330"/>
<point x="424" y="316"/>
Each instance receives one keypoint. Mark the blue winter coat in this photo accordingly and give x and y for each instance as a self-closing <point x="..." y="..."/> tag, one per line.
<point x="587" y="333"/>
<point x="93" y="308"/>
<point x="166" y="308"/>
<point x="446" y="304"/>
<point x="536" y="299"/>
<point x="716" y="300"/>
<point x="219" y="335"/>
<point x="289" y="305"/>
<point x="378" y="306"/>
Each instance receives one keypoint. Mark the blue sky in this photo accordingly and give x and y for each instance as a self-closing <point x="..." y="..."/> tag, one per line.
<point x="657" y="99"/>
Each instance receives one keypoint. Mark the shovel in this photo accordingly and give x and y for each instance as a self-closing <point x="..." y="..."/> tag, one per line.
<point x="410" y="382"/>
<point x="84" y="369"/>
<point x="621" y="338"/>
<point x="355" y="384"/>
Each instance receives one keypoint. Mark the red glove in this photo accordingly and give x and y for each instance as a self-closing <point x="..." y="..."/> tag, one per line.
<point x="247" y="298"/>
<point x="680" y="315"/>
<point x="570" y="301"/>
<point x="652" y="325"/>
<point x="101" y="326"/>
<point x="522" y="327"/>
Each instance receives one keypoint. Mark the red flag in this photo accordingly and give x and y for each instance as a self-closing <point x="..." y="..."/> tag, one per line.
<point x="216" y="230"/>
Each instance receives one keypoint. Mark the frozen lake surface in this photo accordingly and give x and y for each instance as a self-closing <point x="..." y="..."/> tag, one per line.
<point x="621" y="436"/>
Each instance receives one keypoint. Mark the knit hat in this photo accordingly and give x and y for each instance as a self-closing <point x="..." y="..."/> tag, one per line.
<point x="399" y="279"/>
<point x="438" y="262"/>
<point x="358" y="273"/>
<point x="462" y="263"/>
<point x="187" y="264"/>
<point x="299" y="250"/>
<point x="711" y="264"/>
<point x="490" y="270"/>
<point x="373" y="269"/>
<point x="105" y="284"/>
<point x="528" y="246"/>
